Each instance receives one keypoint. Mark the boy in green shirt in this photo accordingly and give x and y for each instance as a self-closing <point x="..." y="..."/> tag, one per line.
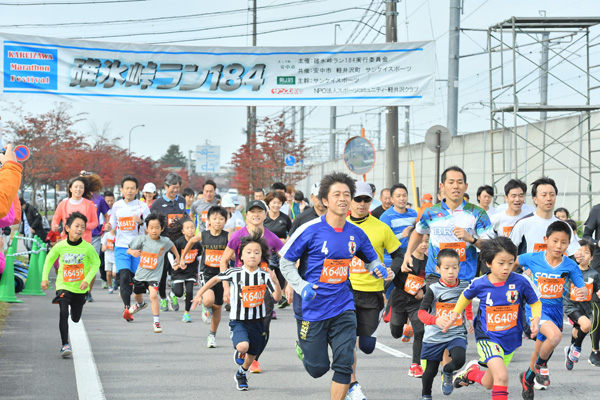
<point x="78" y="265"/>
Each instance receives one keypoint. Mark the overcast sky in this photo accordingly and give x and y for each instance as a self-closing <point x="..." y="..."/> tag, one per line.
<point x="191" y="126"/>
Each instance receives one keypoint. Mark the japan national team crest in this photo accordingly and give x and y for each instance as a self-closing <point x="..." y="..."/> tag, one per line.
<point x="352" y="247"/>
<point x="512" y="296"/>
<point x="181" y="205"/>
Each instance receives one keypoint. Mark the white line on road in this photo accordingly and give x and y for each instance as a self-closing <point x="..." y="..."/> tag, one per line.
<point x="89" y="386"/>
<point x="391" y="351"/>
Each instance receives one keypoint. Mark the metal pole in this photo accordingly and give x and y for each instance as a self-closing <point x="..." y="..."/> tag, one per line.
<point x="301" y="136"/>
<point x="131" y="130"/>
<point x="294" y="121"/>
<point x="544" y="74"/>
<point x="190" y="162"/>
<point x="391" y="134"/>
<point x="252" y="109"/>
<point x="437" y="161"/>
<point x="406" y="126"/>
<point x="332" y="128"/>
<point x="379" y="131"/>
<point x="453" y="62"/>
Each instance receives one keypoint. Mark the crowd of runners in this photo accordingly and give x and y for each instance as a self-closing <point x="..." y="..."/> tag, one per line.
<point x="345" y="262"/>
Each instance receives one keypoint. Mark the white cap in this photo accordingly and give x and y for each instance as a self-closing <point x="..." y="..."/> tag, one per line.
<point x="363" y="189"/>
<point x="314" y="191"/>
<point x="226" y="201"/>
<point x="149" y="188"/>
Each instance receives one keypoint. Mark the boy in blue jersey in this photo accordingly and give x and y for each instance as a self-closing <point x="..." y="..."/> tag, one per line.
<point x="323" y="302"/>
<point x="498" y="324"/>
<point x="549" y="269"/>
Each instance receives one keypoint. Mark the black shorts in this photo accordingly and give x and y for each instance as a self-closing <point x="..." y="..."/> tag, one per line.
<point x="139" y="287"/>
<point x="217" y="289"/>
<point x="575" y="315"/>
<point x="70" y="298"/>
<point x="369" y="309"/>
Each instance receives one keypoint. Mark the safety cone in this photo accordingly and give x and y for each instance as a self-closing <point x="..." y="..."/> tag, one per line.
<point x="7" y="284"/>
<point x="33" y="287"/>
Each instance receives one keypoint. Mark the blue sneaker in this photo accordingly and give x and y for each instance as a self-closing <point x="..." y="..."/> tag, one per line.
<point x="447" y="386"/>
<point x="239" y="357"/>
<point x="241" y="381"/>
<point x="66" y="351"/>
<point x="574" y="353"/>
<point x="568" y="362"/>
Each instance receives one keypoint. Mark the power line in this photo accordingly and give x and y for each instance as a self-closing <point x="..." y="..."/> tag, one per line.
<point x="72" y="3"/>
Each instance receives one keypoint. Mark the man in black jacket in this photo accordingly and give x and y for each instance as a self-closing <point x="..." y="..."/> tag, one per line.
<point x="32" y="222"/>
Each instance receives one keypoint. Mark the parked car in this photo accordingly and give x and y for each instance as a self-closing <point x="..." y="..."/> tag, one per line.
<point x="39" y="198"/>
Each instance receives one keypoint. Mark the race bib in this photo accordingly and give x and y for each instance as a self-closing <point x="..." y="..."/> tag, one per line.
<point x="110" y="244"/>
<point x="148" y="260"/>
<point x="335" y="271"/>
<point x="73" y="272"/>
<point x="507" y="230"/>
<point x="212" y="258"/>
<point x="502" y="318"/>
<point x="459" y="247"/>
<point x="357" y="266"/>
<point x="173" y="217"/>
<point x="413" y="284"/>
<point x="253" y="296"/>
<point x="551" y="288"/>
<point x="590" y="290"/>
<point x="126" y="223"/>
<point x="190" y="256"/>
<point x="204" y="216"/>
<point x="444" y="310"/>
<point x="538" y="247"/>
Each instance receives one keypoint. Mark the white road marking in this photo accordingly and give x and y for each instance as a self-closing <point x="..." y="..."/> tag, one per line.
<point x="89" y="386"/>
<point x="391" y="351"/>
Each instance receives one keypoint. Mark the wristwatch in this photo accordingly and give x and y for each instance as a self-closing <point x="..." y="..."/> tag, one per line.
<point x="474" y="240"/>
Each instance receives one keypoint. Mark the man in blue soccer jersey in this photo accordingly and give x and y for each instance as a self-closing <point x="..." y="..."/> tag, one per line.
<point x="451" y="224"/>
<point x="323" y="302"/>
<point x="399" y="217"/>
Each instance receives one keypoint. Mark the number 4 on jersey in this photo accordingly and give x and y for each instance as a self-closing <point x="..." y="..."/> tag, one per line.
<point x="324" y="250"/>
<point x="489" y="301"/>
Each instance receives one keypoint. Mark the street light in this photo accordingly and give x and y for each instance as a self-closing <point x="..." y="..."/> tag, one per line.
<point x="131" y="130"/>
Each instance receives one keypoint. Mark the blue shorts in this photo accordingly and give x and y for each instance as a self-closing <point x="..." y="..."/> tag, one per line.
<point x="252" y="332"/>
<point x="549" y="313"/>
<point x="124" y="260"/>
<point x="435" y="351"/>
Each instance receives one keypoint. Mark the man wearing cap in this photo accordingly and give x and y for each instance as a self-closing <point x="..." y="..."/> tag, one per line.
<point x="399" y="217"/>
<point x="199" y="211"/>
<point x="367" y="289"/>
<point x="149" y="193"/>
<point x="255" y="217"/>
<point x="172" y="206"/>
<point x="386" y="202"/>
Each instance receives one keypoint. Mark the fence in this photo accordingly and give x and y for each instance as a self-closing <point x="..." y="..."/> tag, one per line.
<point x="33" y="279"/>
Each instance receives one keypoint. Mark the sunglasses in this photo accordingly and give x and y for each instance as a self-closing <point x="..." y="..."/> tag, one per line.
<point x="363" y="199"/>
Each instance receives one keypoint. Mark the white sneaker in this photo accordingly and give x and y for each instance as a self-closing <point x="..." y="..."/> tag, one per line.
<point x="211" y="342"/>
<point x="355" y="393"/>
<point x="206" y="314"/>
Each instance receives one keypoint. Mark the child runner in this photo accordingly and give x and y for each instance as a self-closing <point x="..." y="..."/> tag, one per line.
<point x="549" y="269"/>
<point x="108" y="249"/>
<point x="184" y="274"/>
<point x="498" y="325"/>
<point x="79" y="264"/>
<point x="439" y="300"/>
<point x="214" y="242"/>
<point x="189" y="196"/>
<point x="406" y="300"/>
<point x="247" y="292"/>
<point x="151" y="249"/>
<point x="579" y="309"/>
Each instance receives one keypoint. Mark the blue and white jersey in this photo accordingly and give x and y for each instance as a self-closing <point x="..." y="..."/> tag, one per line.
<point x="326" y="254"/>
<point x="398" y="222"/>
<point x="549" y="280"/>
<point x="439" y="222"/>
<point x="499" y="318"/>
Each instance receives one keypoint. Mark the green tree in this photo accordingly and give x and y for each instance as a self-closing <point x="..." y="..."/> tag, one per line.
<point x="174" y="157"/>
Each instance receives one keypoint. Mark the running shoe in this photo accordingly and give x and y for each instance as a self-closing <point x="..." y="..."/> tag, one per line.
<point x="211" y="342"/>
<point x="66" y="351"/>
<point x="387" y="314"/>
<point x="415" y="371"/>
<point x="241" y="381"/>
<point x="186" y="318"/>
<point x="136" y="307"/>
<point x="447" y="386"/>
<point x="274" y="315"/>
<point x="127" y="315"/>
<point x="407" y="333"/>
<point x="460" y="379"/>
<point x="157" y="327"/>
<point x="568" y="361"/>
<point x="542" y="377"/>
<point x="227" y="307"/>
<point x="104" y="285"/>
<point x="574" y="353"/>
<point x="255" y="367"/>
<point x="527" y="387"/>
<point x="426" y="397"/>
<point x="206" y="314"/>
<point x="111" y="290"/>
<point x="299" y="352"/>
<point x="164" y="306"/>
<point x="88" y="297"/>
<point x="173" y="302"/>
<point x="594" y="358"/>
<point x="355" y="393"/>
<point x="283" y="303"/>
<point x="239" y="357"/>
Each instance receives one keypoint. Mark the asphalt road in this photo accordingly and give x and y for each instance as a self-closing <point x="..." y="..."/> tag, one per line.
<point x="135" y="363"/>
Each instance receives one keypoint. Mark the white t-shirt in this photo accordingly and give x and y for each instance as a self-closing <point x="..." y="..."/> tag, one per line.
<point x="109" y="254"/>
<point x="503" y="223"/>
<point x="122" y="220"/>
<point x="526" y="207"/>
<point x="285" y="208"/>
<point x="531" y="231"/>
<point x="235" y="223"/>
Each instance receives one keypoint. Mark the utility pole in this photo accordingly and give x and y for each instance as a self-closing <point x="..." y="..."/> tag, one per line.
<point x="301" y="136"/>
<point x="391" y="117"/>
<point x="294" y="120"/>
<point x="333" y="110"/>
<point x="190" y="162"/>
<point x="406" y="126"/>
<point x="453" y="54"/>
<point x="251" y="112"/>
<point x="544" y="74"/>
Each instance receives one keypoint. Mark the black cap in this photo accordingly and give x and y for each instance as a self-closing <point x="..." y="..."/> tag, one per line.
<point x="256" y="203"/>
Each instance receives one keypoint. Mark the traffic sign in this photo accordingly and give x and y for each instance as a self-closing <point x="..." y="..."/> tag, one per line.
<point x="208" y="159"/>
<point x="290" y="161"/>
<point x="22" y="152"/>
<point x="290" y="170"/>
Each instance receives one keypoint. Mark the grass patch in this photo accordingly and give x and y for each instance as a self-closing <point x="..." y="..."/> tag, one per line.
<point x="4" y="313"/>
